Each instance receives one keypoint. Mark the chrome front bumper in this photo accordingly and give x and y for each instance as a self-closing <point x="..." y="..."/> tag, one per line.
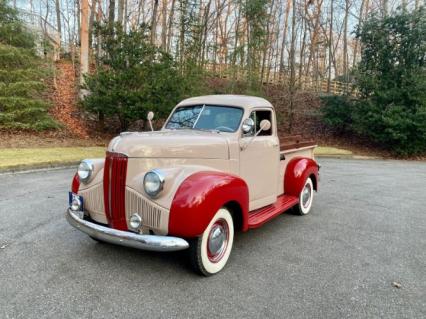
<point x="125" y="238"/>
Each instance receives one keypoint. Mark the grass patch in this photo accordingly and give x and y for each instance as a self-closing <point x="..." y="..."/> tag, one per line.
<point x="19" y="158"/>
<point x="332" y="151"/>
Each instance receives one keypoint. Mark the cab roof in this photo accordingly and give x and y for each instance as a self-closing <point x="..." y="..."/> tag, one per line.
<point x="244" y="101"/>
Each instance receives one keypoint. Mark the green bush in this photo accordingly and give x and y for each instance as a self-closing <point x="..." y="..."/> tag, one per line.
<point x="12" y="31"/>
<point x="22" y="76"/>
<point x="391" y="81"/>
<point x="133" y="78"/>
<point x="337" y="112"/>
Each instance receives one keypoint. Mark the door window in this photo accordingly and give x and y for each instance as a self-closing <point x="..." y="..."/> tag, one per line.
<point x="257" y="117"/>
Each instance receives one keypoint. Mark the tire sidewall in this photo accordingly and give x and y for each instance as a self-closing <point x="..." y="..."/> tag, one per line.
<point x="305" y="210"/>
<point x="210" y="267"/>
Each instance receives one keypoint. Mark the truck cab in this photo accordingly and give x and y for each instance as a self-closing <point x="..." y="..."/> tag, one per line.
<point x="215" y="167"/>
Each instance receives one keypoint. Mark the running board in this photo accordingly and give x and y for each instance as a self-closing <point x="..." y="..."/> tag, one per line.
<point x="258" y="217"/>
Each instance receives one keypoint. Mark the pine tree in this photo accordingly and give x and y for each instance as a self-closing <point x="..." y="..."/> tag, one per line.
<point x="21" y="77"/>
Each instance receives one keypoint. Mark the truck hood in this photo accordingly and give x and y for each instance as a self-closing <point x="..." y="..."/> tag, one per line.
<point x="171" y="144"/>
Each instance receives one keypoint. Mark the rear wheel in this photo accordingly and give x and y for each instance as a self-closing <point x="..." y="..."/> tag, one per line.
<point x="210" y="252"/>
<point x="306" y="197"/>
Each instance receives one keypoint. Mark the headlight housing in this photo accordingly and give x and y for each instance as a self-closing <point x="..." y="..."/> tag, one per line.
<point x="85" y="170"/>
<point x="153" y="182"/>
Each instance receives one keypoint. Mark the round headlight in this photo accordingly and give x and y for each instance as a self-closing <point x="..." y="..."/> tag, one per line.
<point x="85" y="170"/>
<point x="135" y="221"/>
<point x="153" y="183"/>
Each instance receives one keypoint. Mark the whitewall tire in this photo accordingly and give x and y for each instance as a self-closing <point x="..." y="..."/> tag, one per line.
<point x="306" y="197"/>
<point x="210" y="252"/>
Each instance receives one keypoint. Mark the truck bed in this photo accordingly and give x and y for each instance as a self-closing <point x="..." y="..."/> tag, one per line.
<point x="293" y="143"/>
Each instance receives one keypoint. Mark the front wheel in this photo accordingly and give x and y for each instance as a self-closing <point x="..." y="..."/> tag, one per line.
<point x="210" y="252"/>
<point x="306" y="197"/>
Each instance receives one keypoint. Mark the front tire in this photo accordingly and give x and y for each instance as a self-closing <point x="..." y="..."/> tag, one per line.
<point x="306" y="197"/>
<point x="210" y="252"/>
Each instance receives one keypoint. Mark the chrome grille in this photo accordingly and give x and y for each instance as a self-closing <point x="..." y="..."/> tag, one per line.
<point x="93" y="199"/>
<point x="152" y="215"/>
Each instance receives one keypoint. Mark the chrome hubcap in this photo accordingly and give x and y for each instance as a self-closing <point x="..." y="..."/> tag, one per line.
<point x="218" y="240"/>
<point x="306" y="195"/>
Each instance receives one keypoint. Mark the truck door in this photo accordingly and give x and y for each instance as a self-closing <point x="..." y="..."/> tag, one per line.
<point x="260" y="159"/>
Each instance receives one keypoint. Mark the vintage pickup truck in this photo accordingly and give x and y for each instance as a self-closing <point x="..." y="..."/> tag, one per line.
<point x="215" y="167"/>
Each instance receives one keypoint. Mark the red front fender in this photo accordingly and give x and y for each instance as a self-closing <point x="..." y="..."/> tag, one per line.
<point x="200" y="196"/>
<point x="296" y="173"/>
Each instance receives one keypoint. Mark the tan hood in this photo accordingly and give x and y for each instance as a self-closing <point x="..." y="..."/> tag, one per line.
<point x="171" y="144"/>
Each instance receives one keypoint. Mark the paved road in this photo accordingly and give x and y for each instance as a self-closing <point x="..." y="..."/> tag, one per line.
<point x="367" y="230"/>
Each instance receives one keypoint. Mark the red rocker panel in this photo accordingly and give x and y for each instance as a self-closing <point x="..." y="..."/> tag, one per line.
<point x="260" y="216"/>
<point x="200" y="196"/>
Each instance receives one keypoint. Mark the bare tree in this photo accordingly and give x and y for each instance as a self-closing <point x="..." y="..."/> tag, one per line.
<point x="154" y="22"/>
<point x="111" y="12"/>
<point x="292" y="84"/>
<point x="84" y="48"/>
<point x="120" y="12"/>
<point x="58" y="20"/>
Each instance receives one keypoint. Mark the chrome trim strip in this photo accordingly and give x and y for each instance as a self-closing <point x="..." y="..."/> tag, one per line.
<point x="298" y="149"/>
<point x="124" y="238"/>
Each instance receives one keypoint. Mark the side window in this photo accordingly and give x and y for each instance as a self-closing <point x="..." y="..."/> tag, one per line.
<point x="257" y="117"/>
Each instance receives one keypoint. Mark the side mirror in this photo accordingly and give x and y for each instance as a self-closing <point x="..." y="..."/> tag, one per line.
<point x="149" y="117"/>
<point x="248" y="125"/>
<point x="265" y="125"/>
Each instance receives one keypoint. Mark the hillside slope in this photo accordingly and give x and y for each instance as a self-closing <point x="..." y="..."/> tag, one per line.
<point x="65" y="109"/>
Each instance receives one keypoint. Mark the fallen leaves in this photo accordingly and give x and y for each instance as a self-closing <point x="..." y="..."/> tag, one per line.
<point x="64" y="98"/>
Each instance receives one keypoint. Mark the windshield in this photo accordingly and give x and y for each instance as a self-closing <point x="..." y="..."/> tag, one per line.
<point x="206" y="117"/>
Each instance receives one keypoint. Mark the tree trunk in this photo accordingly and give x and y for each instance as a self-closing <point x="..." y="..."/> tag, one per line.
<point x="204" y="33"/>
<point x="58" y="20"/>
<point x="182" y="33"/>
<point x="111" y="13"/>
<point x="287" y="13"/>
<point x="84" y="48"/>
<point x="154" y="22"/>
<point x="330" y="47"/>
<point x="164" y="25"/>
<point x="385" y="8"/>
<point x="77" y="14"/>
<point x="292" y="83"/>
<point x="170" y="26"/>
<point x="91" y="21"/>
<point x="404" y="5"/>
<point x="120" y="12"/>
<point x="364" y="4"/>
<point x="345" y="46"/>
<point x="141" y="6"/>
<point x="266" y="45"/>
<point x="98" y="36"/>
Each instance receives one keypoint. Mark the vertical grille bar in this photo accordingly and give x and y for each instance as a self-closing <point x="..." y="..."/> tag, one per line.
<point x="115" y="171"/>
<point x="107" y="171"/>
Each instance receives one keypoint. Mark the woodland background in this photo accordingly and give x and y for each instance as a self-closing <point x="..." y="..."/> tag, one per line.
<point x="345" y="71"/>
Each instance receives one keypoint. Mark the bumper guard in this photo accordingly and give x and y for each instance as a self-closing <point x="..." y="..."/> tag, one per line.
<point x="125" y="238"/>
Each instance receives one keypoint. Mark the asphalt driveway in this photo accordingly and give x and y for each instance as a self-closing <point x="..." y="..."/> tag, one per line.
<point x="366" y="231"/>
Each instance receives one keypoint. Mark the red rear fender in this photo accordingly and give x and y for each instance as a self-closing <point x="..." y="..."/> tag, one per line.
<point x="296" y="173"/>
